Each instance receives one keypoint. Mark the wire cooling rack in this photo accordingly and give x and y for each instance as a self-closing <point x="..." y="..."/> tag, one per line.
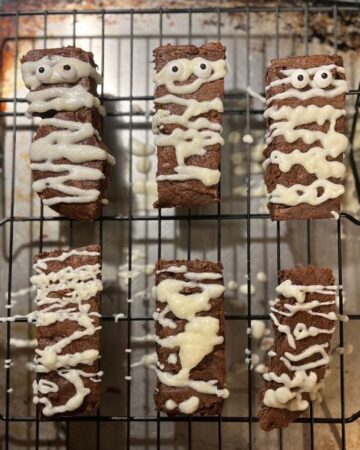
<point x="214" y="220"/>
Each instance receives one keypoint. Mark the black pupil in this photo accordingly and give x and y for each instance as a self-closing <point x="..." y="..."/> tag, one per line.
<point x="324" y="75"/>
<point x="203" y="66"/>
<point x="300" y="77"/>
<point x="41" y="69"/>
<point x="67" y="67"/>
<point x="174" y="68"/>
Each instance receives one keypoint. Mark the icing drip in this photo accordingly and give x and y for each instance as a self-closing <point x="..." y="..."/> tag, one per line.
<point x="64" y="143"/>
<point x="192" y="134"/>
<point x="52" y="69"/>
<point x="286" y="398"/>
<point x="289" y="394"/>
<point x="200" y="334"/>
<point x="187" y="406"/>
<point x="62" y="99"/>
<point x="290" y="123"/>
<point x="80" y="285"/>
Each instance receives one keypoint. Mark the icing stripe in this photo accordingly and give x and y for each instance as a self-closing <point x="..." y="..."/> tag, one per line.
<point x="62" y="99"/>
<point x="64" y="143"/>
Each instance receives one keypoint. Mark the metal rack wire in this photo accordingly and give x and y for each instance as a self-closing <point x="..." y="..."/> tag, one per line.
<point x="216" y="220"/>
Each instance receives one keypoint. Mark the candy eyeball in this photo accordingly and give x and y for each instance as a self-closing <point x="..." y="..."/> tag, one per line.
<point x="175" y="69"/>
<point x="323" y="78"/>
<point x="300" y="79"/>
<point x="68" y="72"/>
<point x="202" y="69"/>
<point x="43" y="73"/>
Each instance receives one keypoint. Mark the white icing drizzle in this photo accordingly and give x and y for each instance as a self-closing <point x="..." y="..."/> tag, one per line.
<point x="190" y="137"/>
<point x="186" y="306"/>
<point x="64" y="143"/>
<point x="190" y="405"/>
<point x="52" y="69"/>
<point x="170" y="404"/>
<point x="146" y="360"/>
<point x="261" y="276"/>
<point x="172" y="358"/>
<point x="214" y="70"/>
<point x="258" y="329"/>
<point x="312" y="350"/>
<point x="286" y="398"/>
<point x="81" y="284"/>
<point x="23" y="343"/>
<point x="200" y="335"/>
<point x="288" y="289"/>
<point x="298" y="193"/>
<point x="146" y="338"/>
<point x="289" y="394"/>
<point x="290" y="123"/>
<point x="316" y="90"/>
<point x="62" y="99"/>
<point x="173" y="269"/>
<point x="255" y="94"/>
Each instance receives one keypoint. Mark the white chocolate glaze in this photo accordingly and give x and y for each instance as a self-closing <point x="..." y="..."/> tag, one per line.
<point x="288" y="289"/>
<point x="186" y="306"/>
<point x="170" y="404"/>
<point x="23" y="343"/>
<point x="173" y="269"/>
<point x="261" y="276"/>
<point x="172" y="358"/>
<point x="148" y="360"/>
<point x="298" y="193"/>
<point x="190" y="405"/>
<point x="258" y="329"/>
<point x="291" y="122"/>
<point x="192" y="133"/>
<point x="316" y="87"/>
<point x="289" y="396"/>
<point x="186" y="68"/>
<point x="314" y="161"/>
<point x="248" y="139"/>
<point x="200" y="334"/>
<point x="64" y="143"/>
<point x="62" y="99"/>
<point x="290" y="393"/>
<point x="52" y="69"/>
<point x="80" y="284"/>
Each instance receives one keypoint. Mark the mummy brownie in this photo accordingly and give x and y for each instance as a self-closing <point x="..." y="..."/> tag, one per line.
<point x="69" y="161"/>
<point x="68" y="284"/>
<point x="190" y="338"/>
<point x="304" y="317"/>
<point x="189" y="88"/>
<point x="305" y="142"/>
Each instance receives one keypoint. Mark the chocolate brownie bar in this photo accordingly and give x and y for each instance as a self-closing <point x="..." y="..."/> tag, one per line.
<point x="305" y="143"/>
<point x="189" y="90"/>
<point x="68" y="286"/>
<point x="190" y="338"/>
<point x="69" y="161"/>
<point x="303" y="319"/>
